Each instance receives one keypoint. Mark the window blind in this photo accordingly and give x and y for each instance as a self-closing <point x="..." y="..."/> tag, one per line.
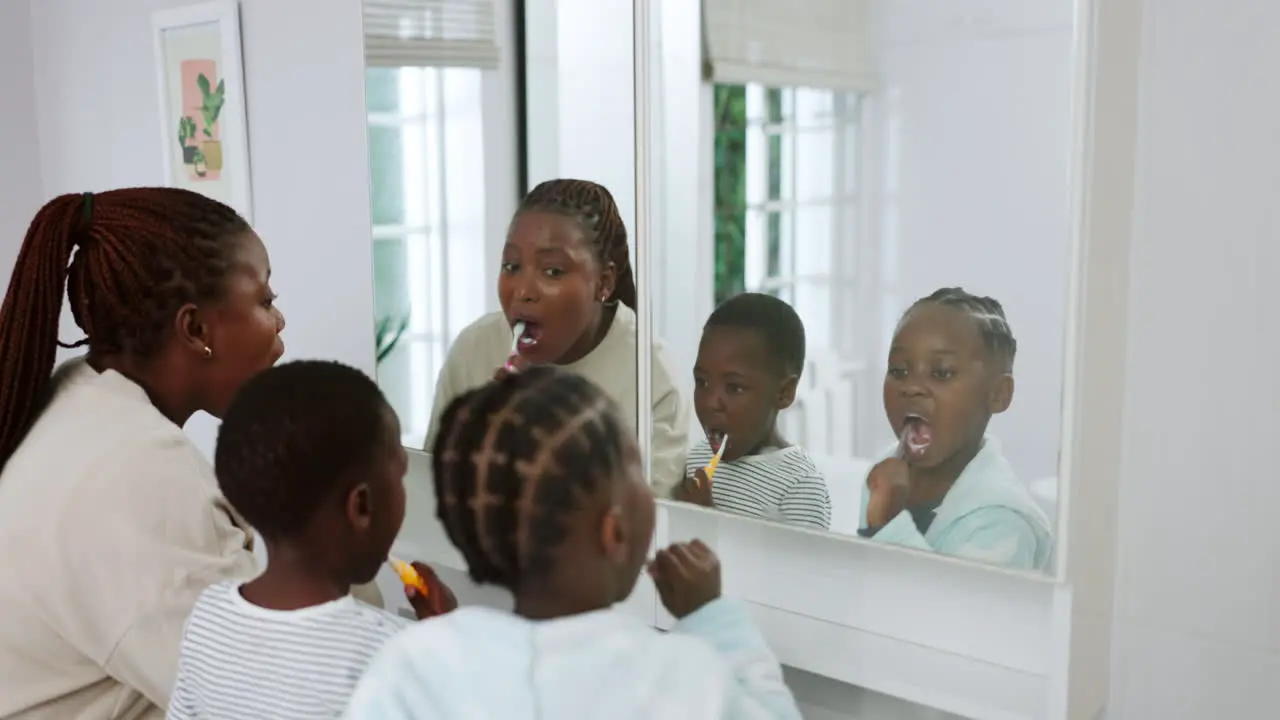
<point x="780" y="43"/>
<point x="430" y="33"/>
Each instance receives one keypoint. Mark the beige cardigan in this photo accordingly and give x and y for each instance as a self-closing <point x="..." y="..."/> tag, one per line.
<point x="111" y="524"/>
<point x="482" y="347"/>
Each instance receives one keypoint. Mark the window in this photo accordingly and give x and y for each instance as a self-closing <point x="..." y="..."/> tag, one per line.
<point x="427" y="190"/>
<point x="786" y="170"/>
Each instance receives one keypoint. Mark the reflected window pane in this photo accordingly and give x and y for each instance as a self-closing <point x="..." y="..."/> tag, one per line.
<point x="382" y="90"/>
<point x="773" y="263"/>
<point x="386" y="167"/>
<point x="775" y="167"/>
<point x="391" y="292"/>
<point x="426" y="157"/>
<point x="777" y="106"/>
<point x="814" y="108"/>
<point x="815" y="166"/>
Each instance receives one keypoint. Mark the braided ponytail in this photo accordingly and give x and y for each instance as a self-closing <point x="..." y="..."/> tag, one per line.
<point x="139" y="255"/>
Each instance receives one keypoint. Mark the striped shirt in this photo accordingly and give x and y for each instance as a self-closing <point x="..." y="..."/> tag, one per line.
<point x="244" y="662"/>
<point x="778" y="484"/>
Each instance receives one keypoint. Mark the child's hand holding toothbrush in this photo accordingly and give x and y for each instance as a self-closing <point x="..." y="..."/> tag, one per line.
<point x="695" y="489"/>
<point x="889" y="484"/>
<point x="425" y="591"/>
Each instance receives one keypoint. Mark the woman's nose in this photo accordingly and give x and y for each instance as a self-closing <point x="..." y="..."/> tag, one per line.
<point x="527" y="289"/>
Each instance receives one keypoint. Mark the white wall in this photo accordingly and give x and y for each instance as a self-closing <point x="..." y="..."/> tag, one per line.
<point x="304" y="77"/>
<point x="20" y="191"/>
<point x="974" y="123"/>
<point x="580" y="94"/>
<point x="1197" y="603"/>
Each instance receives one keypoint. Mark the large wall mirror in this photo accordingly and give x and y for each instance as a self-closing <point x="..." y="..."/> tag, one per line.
<point x="857" y="244"/>
<point x="861" y="225"/>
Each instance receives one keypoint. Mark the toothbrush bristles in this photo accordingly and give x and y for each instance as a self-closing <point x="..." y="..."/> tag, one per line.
<point x="516" y="333"/>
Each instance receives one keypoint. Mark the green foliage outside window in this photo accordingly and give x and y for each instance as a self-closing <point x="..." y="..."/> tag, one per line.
<point x="730" y="190"/>
<point x="731" y="123"/>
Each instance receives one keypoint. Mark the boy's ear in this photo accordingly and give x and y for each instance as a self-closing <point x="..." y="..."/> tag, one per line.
<point x="358" y="506"/>
<point x="1001" y="395"/>
<point x="787" y="393"/>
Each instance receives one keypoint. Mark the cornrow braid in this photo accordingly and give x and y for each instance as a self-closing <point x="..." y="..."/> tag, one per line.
<point x="997" y="335"/>
<point x="139" y="255"/>
<point x="593" y="207"/>
<point x="513" y="459"/>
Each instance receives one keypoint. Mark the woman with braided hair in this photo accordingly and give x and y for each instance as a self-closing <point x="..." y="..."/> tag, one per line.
<point x="538" y="484"/>
<point x="566" y="284"/>
<point x="111" y="523"/>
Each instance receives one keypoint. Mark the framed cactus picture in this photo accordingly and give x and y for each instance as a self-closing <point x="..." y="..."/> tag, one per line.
<point x="202" y="112"/>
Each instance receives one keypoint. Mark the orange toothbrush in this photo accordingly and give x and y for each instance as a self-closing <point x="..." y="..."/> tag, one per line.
<point x="409" y="576"/>
<point x="715" y="460"/>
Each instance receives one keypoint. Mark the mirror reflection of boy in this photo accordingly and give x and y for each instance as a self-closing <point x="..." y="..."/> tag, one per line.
<point x="945" y="486"/>
<point x="749" y="362"/>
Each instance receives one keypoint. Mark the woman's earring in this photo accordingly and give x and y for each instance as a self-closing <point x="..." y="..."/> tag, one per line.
<point x="208" y="353"/>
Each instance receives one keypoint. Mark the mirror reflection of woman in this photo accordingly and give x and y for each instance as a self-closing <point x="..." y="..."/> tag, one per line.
<point x="566" y="284"/>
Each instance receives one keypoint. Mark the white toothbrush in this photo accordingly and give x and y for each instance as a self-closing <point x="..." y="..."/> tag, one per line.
<point x="516" y="333"/>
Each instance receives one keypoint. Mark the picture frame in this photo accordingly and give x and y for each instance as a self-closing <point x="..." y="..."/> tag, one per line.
<point x="200" y="88"/>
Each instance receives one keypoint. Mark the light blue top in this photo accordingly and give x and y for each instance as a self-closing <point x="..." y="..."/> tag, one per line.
<point x="987" y="516"/>
<point x="482" y="663"/>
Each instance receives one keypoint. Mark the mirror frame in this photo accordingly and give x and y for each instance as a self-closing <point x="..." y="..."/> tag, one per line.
<point x="1042" y="621"/>
<point x="647" y="47"/>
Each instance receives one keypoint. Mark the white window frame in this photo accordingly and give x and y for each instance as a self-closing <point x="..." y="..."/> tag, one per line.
<point x="422" y="118"/>
<point x="840" y="258"/>
<point x="828" y="416"/>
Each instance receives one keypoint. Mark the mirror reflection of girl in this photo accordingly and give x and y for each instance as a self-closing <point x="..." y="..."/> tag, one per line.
<point x="539" y="485"/>
<point x="566" y="276"/>
<point x="945" y="486"/>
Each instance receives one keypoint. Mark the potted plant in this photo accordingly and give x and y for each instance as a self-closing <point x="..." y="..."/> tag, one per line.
<point x="389" y="332"/>
<point x="198" y="163"/>
<point x="187" y="131"/>
<point x="210" y="109"/>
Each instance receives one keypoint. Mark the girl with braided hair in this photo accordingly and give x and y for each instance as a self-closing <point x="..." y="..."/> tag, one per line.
<point x="538" y="484"/>
<point x="945" y="487"/>
<point x="111" y="522"/>
<point x="566" y="283"/>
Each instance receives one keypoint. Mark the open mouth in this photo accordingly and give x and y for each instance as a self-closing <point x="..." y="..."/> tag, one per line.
<point x="715" y="438"/>
<point x="527" y="334"/>
<point x="917" y="434"/>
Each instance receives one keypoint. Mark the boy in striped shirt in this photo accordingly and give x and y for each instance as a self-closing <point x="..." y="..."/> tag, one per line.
<point x="749" y="363"/>
<point x="309" y="453"/>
